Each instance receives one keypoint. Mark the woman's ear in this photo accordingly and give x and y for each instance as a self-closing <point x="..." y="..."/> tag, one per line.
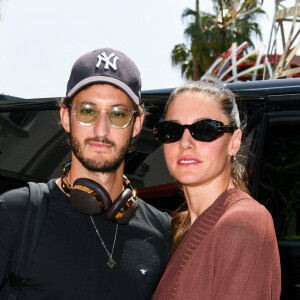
<point x="235" y="142"/>
<point x="65" y="118"/>
<point x="138" y="124"/>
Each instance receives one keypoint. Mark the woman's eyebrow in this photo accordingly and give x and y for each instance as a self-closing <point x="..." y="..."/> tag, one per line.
<point x="196" y="119"/>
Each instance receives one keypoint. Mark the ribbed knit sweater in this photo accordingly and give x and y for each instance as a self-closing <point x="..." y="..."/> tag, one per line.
<point x="230" y="252"/>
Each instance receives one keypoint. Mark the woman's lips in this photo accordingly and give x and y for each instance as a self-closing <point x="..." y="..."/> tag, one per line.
<point x="188" y="161"/>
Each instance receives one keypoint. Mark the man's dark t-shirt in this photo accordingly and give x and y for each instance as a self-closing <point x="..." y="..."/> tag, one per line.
<point x="71" y="263"/>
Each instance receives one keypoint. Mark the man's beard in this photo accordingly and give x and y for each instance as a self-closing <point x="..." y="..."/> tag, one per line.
<point x="95" y="165"/>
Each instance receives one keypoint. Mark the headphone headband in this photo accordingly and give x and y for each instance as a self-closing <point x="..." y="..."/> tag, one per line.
<point x="67" y="187"/>
<point x="64" y="178"/>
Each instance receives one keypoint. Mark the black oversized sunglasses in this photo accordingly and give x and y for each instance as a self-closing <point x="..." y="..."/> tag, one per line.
<point x="205" y="130"/>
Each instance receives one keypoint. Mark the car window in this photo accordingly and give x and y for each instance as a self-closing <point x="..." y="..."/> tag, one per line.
<point x="279" y="191"/>
<point x="32" y="144"/>
<point x="279" y="184"/>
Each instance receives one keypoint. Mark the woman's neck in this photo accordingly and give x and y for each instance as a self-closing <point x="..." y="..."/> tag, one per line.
<point x="199" y="198"/>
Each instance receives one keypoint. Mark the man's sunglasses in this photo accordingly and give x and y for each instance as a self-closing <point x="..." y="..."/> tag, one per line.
<point x="205" y="130"/>
<point x="88" y="114"/>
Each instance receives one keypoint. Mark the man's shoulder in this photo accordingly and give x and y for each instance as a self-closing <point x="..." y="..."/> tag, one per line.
<point x="148" y="208"/>
<point x="149" y="213"/>
<point x="15" y="198"/>
<point x="13" y="204"/>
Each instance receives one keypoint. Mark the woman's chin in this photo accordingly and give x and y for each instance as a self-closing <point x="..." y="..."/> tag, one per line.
<point x="189" y="180"/>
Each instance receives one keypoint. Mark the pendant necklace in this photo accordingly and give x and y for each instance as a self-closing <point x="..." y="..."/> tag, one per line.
<point x="111" y="263"/>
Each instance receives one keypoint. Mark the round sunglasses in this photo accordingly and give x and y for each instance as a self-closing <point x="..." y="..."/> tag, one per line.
<point x="88" y="114"/>
<point x="205" y="130"/>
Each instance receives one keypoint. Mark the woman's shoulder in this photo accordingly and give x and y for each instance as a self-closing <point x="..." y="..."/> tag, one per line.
<point x="242" y="204"/>
<point x="245" y="214"/>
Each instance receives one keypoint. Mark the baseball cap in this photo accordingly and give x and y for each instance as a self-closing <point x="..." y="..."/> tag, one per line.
<point x="106" y="65"/>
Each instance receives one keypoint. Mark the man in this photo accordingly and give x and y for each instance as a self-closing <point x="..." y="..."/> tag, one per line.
<point x="98" y="241"/>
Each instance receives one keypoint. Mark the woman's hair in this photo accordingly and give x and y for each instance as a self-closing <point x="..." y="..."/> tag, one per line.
<point x="226" y="100"/>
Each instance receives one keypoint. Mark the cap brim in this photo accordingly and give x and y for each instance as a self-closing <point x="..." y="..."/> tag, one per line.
<point x="104" y="79"/>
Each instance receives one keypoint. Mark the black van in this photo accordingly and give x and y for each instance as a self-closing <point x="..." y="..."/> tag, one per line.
<point x="33" y="148"/>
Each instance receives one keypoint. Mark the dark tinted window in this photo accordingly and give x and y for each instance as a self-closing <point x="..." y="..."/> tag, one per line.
<point x="279" y="191"/>
<point x="32" y="144"/>
<point x="279" y="185"/>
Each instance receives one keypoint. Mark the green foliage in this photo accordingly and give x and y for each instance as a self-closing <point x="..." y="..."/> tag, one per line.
<point x="182" y="56"/>
<point x="293" y="237"/>
<point x="210" y="35"/>
<point x="279" y="190"/>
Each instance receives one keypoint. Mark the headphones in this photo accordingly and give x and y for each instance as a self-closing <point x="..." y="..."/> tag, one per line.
<point x="90" y="197"/>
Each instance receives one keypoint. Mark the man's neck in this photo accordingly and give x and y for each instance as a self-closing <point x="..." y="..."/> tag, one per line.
<point x="112" y="181"/>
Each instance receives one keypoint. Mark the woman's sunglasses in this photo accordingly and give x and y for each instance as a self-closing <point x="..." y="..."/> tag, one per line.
<point x="205" y="130"/>
<point x="88" y="114"/>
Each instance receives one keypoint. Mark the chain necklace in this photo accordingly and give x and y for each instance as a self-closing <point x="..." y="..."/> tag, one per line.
<point x="111" y="263"/>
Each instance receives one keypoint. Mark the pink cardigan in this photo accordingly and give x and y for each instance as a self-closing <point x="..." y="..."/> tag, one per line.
<point x="229" y="253"/>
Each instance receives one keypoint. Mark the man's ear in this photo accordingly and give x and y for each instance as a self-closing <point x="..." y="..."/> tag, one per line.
<point x="138" y="124"/>
<point x="235" y="142"/>
<point x="65" y="118"/>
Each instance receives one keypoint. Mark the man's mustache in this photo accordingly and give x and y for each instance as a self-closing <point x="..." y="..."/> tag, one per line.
<point x="100" y="140"/>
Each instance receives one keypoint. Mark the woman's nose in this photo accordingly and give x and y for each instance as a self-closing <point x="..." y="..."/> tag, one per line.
<point x="186" y="141"/>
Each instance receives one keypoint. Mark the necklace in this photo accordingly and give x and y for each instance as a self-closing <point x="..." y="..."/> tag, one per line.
<point x="111" y="263"/>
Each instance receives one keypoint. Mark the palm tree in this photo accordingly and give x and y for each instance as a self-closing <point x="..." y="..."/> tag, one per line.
<point x="209" y="35"/>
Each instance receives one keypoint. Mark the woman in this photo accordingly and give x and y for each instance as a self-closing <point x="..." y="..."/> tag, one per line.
<point x="224" y="245"/>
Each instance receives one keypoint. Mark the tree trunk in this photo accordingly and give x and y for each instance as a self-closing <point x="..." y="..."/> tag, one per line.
<point x="196" y="74"/>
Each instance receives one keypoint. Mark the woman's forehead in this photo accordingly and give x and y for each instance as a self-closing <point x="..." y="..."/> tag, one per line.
<point x="190" y="106"/>
<point x="192" y="102"/>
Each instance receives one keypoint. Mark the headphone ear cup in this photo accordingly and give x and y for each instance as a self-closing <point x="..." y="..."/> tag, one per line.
<point x="129" y="213"/>
<point x="119" y="207"/>
<point x="89" y="197"/>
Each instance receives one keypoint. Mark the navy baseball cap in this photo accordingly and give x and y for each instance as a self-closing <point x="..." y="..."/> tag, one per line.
<point x="106" y="66"/>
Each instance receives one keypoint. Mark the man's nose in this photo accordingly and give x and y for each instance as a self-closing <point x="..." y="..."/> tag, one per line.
<point x="102" y="125"/>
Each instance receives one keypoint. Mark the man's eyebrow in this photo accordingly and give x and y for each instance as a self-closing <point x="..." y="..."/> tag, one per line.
<point x="88" y="102"/>
<point x="120" y="105"/>
<point x="81" y="102"/>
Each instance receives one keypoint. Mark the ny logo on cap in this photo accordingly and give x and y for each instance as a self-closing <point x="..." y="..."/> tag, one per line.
<point x="106" y="59"/>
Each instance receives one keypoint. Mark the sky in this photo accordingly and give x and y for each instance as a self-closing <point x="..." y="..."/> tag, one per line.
<point x="40" y="40"/>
